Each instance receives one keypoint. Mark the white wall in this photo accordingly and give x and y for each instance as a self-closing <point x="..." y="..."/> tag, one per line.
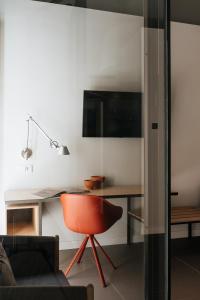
<point x="186" y="118"/>
<point x="52" y="54"/>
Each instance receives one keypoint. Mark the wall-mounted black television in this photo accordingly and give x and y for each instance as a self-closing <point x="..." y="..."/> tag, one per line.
<point x="112" y="114"/>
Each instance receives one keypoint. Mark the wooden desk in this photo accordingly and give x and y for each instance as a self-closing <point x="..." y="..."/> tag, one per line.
<point x="32" y="195"/>
<point x="27" y="198"/>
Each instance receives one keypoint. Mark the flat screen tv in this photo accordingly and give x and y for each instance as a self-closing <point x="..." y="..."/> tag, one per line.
<point x="112" y="114"/>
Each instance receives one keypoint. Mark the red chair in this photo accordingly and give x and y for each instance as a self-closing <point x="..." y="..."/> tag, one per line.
<point x="89" y="215"/>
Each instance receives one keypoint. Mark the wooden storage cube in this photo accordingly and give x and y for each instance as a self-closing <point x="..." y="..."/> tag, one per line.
<point x="23" y="220"/>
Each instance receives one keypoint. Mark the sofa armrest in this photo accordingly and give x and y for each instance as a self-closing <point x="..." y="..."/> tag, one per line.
<point x="48" y="246"/>
<point x="90" y="292"/>
<point x="47" y="293"/>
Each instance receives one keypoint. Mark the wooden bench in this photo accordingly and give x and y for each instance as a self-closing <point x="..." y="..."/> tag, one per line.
<point x="179" y="215"/>
<point x="185" y="215"/>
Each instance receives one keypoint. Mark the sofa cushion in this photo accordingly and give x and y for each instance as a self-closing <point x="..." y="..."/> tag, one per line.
<point x="29" y="263"/>
<point x="50" y="279"/>
<point x="48" y="246"/>
<point x="6" y="274"/>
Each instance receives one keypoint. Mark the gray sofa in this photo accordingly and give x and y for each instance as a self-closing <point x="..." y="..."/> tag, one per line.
<point x="35" y="264"/>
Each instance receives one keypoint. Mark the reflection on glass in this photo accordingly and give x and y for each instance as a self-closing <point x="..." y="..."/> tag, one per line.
<point x="84" y="219"/>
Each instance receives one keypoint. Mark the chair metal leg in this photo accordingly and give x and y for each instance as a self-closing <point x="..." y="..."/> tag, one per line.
<point x="106" y="255"/>
<point x="83" y="250"/>
<point x="97" y="261"/>
<point x="75" y="256"/>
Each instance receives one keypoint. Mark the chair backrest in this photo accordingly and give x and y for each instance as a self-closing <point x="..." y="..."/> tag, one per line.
<point x="87" y="214"/>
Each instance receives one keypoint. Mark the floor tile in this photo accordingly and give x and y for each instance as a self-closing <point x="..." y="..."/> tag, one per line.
<point x="123" y="284"/>
<point x="185" y="281"/>
<point x="127" y="282"/>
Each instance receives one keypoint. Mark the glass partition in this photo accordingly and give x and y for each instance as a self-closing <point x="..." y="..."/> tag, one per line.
<point x="92" y="76"/>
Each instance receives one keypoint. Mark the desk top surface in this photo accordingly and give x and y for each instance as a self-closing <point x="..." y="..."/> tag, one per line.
<point x="40" y="195"/>
<point x="118" y="191"/>
<point x="43" y="195"/>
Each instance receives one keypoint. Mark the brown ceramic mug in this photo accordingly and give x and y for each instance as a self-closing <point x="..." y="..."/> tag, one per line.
<point x="89" y="184"/>
<point x="98" y="180"/>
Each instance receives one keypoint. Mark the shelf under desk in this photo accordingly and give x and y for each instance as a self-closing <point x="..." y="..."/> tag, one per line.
<point x="22" y="219"/>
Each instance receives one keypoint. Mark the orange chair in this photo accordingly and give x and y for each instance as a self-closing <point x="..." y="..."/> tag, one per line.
<point x="89" y="215"/>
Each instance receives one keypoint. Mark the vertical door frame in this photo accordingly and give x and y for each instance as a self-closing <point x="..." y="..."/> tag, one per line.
<point x="157" y="133"/>
<point x="168" y="91"/>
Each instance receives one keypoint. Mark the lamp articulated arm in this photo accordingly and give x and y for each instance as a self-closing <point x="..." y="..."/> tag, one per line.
<point x="52" y="142"/>
<point x="27" y="152"/>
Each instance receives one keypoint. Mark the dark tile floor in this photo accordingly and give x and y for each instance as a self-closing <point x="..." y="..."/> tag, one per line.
<point x="186" y="277"/>
<point x="127" y="282"/>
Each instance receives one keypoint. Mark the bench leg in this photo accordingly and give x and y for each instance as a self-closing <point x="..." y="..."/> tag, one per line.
<point x="189" y="230"/>
<point x="128" y="222"/>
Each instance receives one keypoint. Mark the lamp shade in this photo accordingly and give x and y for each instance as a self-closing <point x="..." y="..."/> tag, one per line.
<point x="63" y="150"/>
